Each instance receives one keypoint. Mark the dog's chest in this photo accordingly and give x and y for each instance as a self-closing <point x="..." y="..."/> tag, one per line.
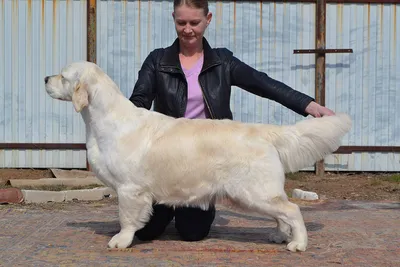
<point x="100" y="162"/>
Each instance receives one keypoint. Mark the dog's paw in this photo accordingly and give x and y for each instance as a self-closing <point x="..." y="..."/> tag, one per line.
<point x="296" y="246"/>
<point x="121" y="240"/>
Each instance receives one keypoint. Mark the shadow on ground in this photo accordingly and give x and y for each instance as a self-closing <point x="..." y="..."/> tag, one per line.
<point x="220" y="229"/>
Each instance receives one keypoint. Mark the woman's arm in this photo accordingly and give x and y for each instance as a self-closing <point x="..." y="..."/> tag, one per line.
<point x="259" y="83"/>
<point x="144" y="91"/>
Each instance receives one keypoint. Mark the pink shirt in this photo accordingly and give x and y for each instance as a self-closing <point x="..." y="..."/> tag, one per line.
<point x="195" y="101"/>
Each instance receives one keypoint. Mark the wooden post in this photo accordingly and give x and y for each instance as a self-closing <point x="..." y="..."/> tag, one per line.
<point x="320" y="51"/>
<point x="320" y="65"/>
<point x="91" y="41"/>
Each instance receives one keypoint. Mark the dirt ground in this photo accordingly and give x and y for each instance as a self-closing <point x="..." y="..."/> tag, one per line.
<point x="349" y="186"/>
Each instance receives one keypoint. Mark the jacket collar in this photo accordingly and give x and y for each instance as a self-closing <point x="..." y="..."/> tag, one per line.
<point x="171" y="56"/>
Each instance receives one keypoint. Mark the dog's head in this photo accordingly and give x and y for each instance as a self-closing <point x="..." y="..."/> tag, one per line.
<point x="73" y="83"/>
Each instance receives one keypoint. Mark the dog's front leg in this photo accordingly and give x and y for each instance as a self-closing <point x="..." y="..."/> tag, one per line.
<point x="134" y="212"/>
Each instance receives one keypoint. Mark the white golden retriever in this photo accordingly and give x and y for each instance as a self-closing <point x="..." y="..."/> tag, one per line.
<point x="146" y="156"/>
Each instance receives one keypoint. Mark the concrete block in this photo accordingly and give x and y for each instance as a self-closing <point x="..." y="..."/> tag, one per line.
<point x="40" y="196"/>
<point x="55" y="181"/>
<point x="84" y="194"/>
<point x="306" y="195"/>
<point x="59" y="173"/>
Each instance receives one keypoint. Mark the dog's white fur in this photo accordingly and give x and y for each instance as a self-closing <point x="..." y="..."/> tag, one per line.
<point x="146" y="156"/>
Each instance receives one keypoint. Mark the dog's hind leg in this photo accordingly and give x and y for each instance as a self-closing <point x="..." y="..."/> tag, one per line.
<point x="282" y="232"/>
<point x="134" y="212"/>
<point x="290" y="221"/>
<point x="261" y="190"/>
<point x="288" y="214"/>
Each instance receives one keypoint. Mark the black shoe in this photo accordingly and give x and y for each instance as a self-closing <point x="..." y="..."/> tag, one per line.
<point x="162" y="216"/>
<point x="193" y="224"/>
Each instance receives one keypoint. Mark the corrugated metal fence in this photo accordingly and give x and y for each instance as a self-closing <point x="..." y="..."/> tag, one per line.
<point x="37" y="38"/>
<point x="263" y="34"/>
<point x="365" y="83"/>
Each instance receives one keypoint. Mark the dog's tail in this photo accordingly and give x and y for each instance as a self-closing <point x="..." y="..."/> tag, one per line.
<point x="301" y="145"/>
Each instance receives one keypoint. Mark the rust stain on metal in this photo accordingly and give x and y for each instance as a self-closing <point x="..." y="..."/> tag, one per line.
<point x="29" y="11"/>
<point x="15" y="9"/>
<point x="54" y="39"/>
<point x="14" y="73"/>
<point x="124" y="24"/>
<point x="54" y="12"/>
<point x="29" y="31"/>
<point x="124" y="3"/>
<point x="2" y="21"/>
<point x="381" y="18"/>
<point x="149" y="39"/>
<point x="219" y="14"/>
<point x="138" y="35"/>
<point x="275" y="24"/>
<point x="394" y="27"/>
<point x="234" y="24"/>
<point x="340" y="18"/>
<point x="369" y="20"/>
<point x="368" y="38"/>
<point x="393" y="52"/>
<point x="67" y="11"/>
<point x="261" y="29"/>
<point x="43" y="14"/>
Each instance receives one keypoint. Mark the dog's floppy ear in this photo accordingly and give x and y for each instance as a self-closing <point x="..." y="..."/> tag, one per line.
<point x="80" y="98"/>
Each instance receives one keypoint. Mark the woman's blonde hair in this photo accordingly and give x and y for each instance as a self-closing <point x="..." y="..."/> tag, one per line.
<point x="201" y="4"/>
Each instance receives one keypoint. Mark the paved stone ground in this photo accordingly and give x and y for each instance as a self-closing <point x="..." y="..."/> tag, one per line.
<point x="76" y="234"/>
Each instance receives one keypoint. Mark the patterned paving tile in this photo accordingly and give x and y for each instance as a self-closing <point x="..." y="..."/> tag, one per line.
<point x="340" y="233"/>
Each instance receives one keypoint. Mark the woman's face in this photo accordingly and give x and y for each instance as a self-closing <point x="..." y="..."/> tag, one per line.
<point x="190" y="24"/>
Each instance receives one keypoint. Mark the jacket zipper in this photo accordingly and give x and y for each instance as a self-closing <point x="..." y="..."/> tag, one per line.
<point x="205" y="99"/>
<point x="202" y="90"/>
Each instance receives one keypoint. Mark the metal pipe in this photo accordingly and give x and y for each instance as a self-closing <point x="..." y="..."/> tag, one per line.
<point x="43" y="146"/>
<point x="358" y="149"/>
<point x="82" y="146"/>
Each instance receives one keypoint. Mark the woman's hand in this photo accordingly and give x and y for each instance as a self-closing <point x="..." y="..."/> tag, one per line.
<point x="316" y="110"/>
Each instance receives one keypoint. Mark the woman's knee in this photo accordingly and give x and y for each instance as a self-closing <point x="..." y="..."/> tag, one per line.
<point x="194" y="224"/>
<point x="161" y="217"/>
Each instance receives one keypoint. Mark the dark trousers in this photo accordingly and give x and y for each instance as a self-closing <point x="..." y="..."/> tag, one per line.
<point x="192" y="224"/>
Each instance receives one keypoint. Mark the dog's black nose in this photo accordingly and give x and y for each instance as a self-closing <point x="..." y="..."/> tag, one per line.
<point x="46" y="79"/>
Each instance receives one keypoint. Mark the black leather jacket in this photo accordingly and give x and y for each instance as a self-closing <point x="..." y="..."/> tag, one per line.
<point x="161" y="79"/>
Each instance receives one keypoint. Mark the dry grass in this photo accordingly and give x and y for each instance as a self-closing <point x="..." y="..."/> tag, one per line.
<point x="54" y="187"/>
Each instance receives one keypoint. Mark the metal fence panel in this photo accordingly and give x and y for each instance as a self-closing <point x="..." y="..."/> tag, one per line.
<point x="37" y="38"/>
<point x="365" y="83"/>
<point x="263" y="35"/>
